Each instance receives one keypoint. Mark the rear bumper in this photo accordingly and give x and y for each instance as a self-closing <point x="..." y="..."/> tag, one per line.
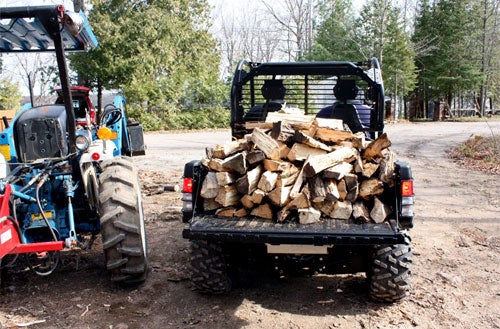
<point x="256" y="230"/>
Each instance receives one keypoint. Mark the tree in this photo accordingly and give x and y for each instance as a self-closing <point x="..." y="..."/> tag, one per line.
<point x="10" y="96"/>
<point x="451" y="67"/>
<point x="490" y="48"/>
<point x="295" y="17"/>
<point x="159" y="53"/>
<point x="379" y="32"/>
<point x="335" y="38"/>
<point x="400" y="74"/>
<point x="382" y="33"/>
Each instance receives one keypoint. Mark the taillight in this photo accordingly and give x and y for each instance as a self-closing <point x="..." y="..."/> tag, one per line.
<point x="96" y="156"/>
<point x="407" y="188"/>
<point x="407" y="201"/>
<point x="187" y="185"/>
<point x="187" y="196"/>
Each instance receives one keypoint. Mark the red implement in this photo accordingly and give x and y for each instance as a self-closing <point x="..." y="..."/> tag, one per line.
<point x="10" y="241"/>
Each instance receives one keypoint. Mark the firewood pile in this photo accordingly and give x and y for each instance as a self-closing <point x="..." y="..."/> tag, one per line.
<point x="301" y="169"/>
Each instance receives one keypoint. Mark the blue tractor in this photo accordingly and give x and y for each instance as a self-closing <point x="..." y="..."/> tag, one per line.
<point x="65" y="175"/>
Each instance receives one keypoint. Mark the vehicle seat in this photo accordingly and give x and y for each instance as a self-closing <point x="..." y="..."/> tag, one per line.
<point x="345" y="90"/>
<point x="273" y="92"/>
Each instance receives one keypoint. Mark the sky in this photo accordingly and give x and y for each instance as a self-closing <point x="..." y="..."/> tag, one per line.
<point x="222" y="9"/>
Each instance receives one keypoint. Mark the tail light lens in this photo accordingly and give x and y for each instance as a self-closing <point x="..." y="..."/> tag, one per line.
<point x="407" y="188"/>
<point x="187" y="195"/>
<point x="187" y="185"/>
<point x="407" y="201"/>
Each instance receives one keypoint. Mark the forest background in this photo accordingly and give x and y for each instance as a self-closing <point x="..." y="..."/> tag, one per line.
<point x="174" y="59"/>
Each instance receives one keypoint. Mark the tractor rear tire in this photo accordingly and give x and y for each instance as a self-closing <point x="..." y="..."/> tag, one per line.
<point x="208" y="268"/>
<point x="389" y="277"/>
<point x="122" y="222"/>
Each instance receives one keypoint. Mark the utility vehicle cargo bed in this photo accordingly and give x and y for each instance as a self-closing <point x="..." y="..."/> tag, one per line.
<point x="257" y="230"/>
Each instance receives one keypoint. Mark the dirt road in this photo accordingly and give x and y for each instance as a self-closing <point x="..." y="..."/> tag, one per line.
<point x="456" y="239"/>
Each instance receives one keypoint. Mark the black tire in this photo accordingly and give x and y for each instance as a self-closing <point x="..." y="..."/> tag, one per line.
<point x="389" y="278"/>
<point x="122" y="222"/>
<point x="208" y="268"/>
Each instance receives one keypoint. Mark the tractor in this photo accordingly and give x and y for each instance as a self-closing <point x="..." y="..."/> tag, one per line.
<point x="66" y="175"/>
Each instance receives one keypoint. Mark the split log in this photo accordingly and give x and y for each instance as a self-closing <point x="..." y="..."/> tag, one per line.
<point x="267" y="181"/>
<point x="337" y="210"/>
<point x="280" y="195"/>
<point x="369" y="169"/>
<point x="216" y="165"/>
<point x="273" y="165"/>
<point x="255" y="156"/>
<point x="224" y="178"/>
<point x="297" y="186"/>
<point x="266" y="144"/>
<point x="225" y="212"/>
<point x="317" y="188"/>
<point x="282" y="132"/>
<point x="374" y="149"/>
<point x="351" y="183"/>
<point x="248" y="183"/>
<point x="287" y="178"/>
<point x="223" y="151"/>
<point x="332" y="191"/>
<point x="338" y="171"/>
<point x="328" y="135"/>
<point x="360" y="213"/>
<point x="209" y="187"/>
<point x="309" y="215"/>
<point x="263" y="211"/>
<point x="300" y="137"/>
<point x="300" y="152"/>
<point x="342" y="210"/>
<point x="358" y="164"/>
<point x="346" y="144"/>
<point x="297" y="121"/>
<point x="318" y="163"/>
<point x="302" y="200"/>
<point x="210" y="204"/>
<point x="257" y="196"/>
<point x="247" y="202"/>
<point x="252" y="125"/>
<point x="283" y="150"/>
<point x="228" y="196"/>
<point x="242" y="212"/>
<point x="342" y="188"/>
<point x="379" y="211"/>
<point x="328" y="123"/>
<point x="236" y="162"/>
<point x="370" y="188"/>
<point x="387" y="167"/>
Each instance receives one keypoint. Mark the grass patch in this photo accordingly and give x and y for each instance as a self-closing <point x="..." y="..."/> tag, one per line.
<point x="479" y="153"/>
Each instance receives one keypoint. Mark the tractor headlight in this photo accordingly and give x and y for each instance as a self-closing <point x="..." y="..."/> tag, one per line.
<point x="82" y="142"/>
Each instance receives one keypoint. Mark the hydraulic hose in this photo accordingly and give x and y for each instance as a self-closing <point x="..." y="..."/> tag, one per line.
<point x="37" y="197"/>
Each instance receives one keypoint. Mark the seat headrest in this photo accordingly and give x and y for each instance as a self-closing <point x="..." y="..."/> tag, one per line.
<point x="345" y="89"/>
<point x="273" y="89"/>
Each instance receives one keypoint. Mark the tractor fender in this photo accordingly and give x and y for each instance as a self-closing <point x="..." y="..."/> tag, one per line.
<point x="89" y="181"/>
<point x="98" y="151"/>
